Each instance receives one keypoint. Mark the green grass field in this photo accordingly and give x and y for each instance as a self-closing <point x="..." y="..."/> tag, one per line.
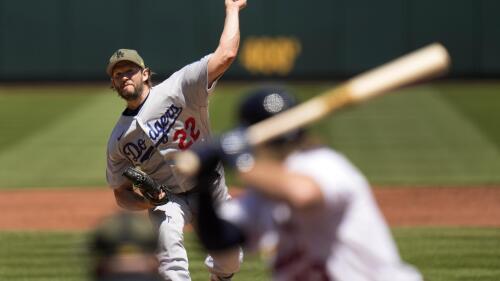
<point x="434" y="134"/>
<point x="442" y="254"/>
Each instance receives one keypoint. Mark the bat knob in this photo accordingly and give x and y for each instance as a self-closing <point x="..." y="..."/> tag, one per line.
<point x="187" y="163"/>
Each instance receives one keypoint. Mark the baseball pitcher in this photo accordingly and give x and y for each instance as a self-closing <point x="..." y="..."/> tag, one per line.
<point x="158" y="121"/>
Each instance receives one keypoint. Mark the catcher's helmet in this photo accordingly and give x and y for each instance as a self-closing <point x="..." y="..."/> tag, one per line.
<point x="266" y="102"/>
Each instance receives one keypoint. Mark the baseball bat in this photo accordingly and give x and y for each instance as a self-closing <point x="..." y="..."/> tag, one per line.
<point x="424" y="63"/>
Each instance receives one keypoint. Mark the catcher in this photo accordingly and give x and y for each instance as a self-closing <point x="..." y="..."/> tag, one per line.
<point x="307" y="207"/>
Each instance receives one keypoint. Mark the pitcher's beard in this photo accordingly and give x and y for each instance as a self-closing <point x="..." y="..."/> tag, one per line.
<point x="131" y="96"/>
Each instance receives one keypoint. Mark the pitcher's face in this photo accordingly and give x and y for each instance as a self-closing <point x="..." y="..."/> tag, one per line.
<point x="128" y="80"/>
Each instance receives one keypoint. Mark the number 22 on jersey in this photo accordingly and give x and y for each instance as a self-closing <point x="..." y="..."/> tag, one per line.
<point x="187" y="135"/>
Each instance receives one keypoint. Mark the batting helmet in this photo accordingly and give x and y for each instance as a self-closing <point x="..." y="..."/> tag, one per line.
<point x="266" y="102"/>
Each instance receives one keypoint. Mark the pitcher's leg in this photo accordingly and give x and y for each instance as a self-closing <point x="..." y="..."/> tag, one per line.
<point x="170" y="220"/>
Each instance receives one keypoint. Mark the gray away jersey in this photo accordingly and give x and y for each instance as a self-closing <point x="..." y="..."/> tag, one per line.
<point x="173" y="118"/>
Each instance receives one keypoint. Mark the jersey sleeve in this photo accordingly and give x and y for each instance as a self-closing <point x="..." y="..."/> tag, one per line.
<point x="194" y="82"/>
<point x="337" y="178"/>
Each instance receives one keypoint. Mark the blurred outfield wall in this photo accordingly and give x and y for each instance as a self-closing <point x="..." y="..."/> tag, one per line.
<point x="73" y="39"/>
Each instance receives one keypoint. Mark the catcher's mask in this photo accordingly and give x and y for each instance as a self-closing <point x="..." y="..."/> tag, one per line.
<point x="266" y="102"/>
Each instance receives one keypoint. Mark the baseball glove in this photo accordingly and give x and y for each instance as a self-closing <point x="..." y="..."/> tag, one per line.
<point x="148" y="187"/>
